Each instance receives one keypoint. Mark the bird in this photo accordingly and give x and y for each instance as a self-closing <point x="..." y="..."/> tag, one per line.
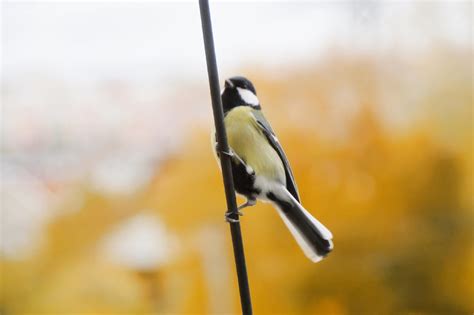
<point x="261" y="170"/>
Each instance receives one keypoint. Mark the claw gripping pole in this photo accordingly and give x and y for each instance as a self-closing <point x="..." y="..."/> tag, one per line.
<point x="225" y="159"/>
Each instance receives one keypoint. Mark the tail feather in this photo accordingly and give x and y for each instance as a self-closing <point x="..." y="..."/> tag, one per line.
<point x="311" y="235"/>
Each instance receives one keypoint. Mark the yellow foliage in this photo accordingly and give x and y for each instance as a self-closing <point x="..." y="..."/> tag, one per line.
<point x="397" y="199"/>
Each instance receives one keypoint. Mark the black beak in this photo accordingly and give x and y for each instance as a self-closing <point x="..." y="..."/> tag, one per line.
<point x="228" y="84"/>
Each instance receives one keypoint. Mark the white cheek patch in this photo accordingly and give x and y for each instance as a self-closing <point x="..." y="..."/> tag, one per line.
<point x="248" y="97"/>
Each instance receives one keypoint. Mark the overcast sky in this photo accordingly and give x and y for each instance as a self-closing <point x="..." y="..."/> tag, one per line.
<point x="96" y="39"/>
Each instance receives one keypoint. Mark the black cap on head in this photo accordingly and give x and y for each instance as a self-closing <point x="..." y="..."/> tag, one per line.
<point x="242" y="82"/>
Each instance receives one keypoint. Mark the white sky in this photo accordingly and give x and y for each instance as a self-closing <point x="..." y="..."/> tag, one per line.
<point x="136" y="40"/>
<point x="94" y="40"/>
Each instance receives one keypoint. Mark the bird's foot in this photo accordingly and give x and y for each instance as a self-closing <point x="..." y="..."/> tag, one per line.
<point x="248" y="203"/>
<point x="230" y="153"/>
<point x="231" y="220"/>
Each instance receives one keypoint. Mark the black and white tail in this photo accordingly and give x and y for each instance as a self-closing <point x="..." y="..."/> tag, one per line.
<point x="312" y="236"/>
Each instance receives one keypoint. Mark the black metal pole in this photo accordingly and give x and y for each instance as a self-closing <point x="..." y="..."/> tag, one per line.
<point x="225" y="159"/>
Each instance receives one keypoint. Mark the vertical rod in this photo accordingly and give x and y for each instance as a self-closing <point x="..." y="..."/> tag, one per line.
<point x="224" y="158"/>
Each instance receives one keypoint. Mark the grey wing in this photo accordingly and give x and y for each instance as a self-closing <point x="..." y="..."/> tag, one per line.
<point x="272" y="139"/>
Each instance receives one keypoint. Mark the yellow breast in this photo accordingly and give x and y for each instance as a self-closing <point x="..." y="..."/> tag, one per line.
<point x="248" y="141"/>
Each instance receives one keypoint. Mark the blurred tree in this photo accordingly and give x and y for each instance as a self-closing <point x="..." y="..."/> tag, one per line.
<point x="398" y="199"/>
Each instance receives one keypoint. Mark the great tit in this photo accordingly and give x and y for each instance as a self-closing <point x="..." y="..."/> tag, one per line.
<point x="261" y="170"/>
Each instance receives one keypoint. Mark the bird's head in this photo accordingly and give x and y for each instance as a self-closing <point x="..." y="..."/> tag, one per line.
<point x="239" y="91"/>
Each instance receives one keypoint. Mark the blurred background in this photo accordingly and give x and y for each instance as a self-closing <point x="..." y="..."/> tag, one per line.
<point x="112" y="201"/>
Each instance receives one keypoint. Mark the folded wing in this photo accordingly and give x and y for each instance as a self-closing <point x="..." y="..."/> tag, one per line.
<point x="273" y="140"/>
